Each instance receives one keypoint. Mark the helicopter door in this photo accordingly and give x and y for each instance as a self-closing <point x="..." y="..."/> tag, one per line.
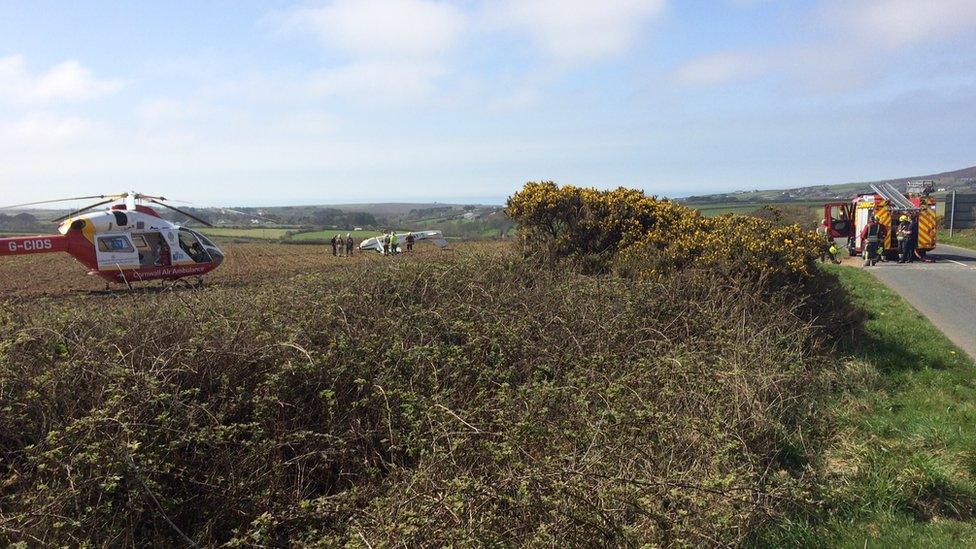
<point x="116" y="251"/>
<point x="153" y="250"/>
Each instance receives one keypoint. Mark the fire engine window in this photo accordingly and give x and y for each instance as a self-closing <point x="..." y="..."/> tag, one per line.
<point x="114" y="244"/>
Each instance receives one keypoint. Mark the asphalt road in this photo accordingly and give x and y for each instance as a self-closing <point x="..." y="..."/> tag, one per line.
<point x="944" y="291"/>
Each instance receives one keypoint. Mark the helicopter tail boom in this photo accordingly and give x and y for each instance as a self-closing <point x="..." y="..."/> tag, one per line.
<point x="27" y="245"/>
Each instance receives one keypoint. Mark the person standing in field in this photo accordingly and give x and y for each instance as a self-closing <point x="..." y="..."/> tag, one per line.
<point x="409" y="239"/>
<point x="394" y="241"/>
<point x="386" y="244"/>
<point x="349" y="244"/>
<point x="335" y="243"/>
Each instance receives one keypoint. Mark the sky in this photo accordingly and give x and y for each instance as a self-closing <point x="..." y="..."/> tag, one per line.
<point x="340" y="101"/>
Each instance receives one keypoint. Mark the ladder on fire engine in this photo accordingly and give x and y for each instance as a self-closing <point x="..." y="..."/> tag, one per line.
<point x="891" y="194"/>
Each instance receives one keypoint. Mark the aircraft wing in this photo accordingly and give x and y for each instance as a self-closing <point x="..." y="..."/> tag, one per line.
<point x="376" y="243"/>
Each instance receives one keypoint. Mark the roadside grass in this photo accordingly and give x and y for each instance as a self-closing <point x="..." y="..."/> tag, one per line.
<point x="900" y="469"/>
<point x="961" y="238"/>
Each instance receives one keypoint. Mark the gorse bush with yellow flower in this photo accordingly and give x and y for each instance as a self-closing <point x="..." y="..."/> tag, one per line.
<point x="638" y="235"/>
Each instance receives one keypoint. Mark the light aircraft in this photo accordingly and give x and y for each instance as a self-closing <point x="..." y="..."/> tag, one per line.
<point x="376" y="243"/>
<point x="130" y="242"/>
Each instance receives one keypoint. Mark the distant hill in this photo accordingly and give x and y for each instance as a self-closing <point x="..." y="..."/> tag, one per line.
<point x="400" y="208"/>
<point x="958" y="180"/>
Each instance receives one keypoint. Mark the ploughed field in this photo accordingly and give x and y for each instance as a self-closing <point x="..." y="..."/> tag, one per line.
<point x="250" y="263"/>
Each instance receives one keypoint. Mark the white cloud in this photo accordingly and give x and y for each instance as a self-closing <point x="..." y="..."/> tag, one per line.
<point x="163" y="109"/>
<point x="719" y="68"/>
<point x="307" y="125"/>
<point x="397" y="49"/>
<point x="67" y="81"/>
<point x="579" y="30"/>
<point x="854" y="48"/>
<point x="382" y="28"/>
<point x="900" y="23"/>
<point x="521" y="98"/>
<point x="44" y="130"/>
<point x="386" y="80"/>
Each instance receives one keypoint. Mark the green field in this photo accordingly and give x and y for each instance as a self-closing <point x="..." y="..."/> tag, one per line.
<point x="899" y="472"/>
<point x="262" y="233"/>
<point x="326" y="235"/>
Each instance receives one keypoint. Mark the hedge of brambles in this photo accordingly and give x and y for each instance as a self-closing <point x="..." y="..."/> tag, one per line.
<point x="487" y="401"/>
<point x="626" y="230"/>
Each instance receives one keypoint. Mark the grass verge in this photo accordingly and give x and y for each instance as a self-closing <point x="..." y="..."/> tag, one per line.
<point x="963" y="239"/>
<point x="900" y="469"/>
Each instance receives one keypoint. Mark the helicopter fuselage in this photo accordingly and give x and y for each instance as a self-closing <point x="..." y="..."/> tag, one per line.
<point x="125" y="246"/>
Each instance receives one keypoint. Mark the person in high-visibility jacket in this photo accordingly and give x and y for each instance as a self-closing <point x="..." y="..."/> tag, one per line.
<point x="872" y="237"/>
<point x="393" y="242"/>
<point x="832" y="253"/>
<point x="828" y="249"/>
<point x="904" y="234"/>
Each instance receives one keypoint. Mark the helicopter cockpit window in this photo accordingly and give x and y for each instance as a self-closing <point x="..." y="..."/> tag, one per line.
<point x="117" y="244"/>
<point x="190" y="243"/>
<point x="206" y="241"/>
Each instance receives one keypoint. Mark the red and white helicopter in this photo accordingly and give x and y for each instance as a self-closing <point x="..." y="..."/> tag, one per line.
<point x="130" y="242"/>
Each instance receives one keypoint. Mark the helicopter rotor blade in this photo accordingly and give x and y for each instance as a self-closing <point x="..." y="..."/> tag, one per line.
<point x="112" y="196"/>
<point x="140" y="196"/>
<point x="238" y="212"/>
<point x="83" y="210"/>
<point x="175" y="209"/>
